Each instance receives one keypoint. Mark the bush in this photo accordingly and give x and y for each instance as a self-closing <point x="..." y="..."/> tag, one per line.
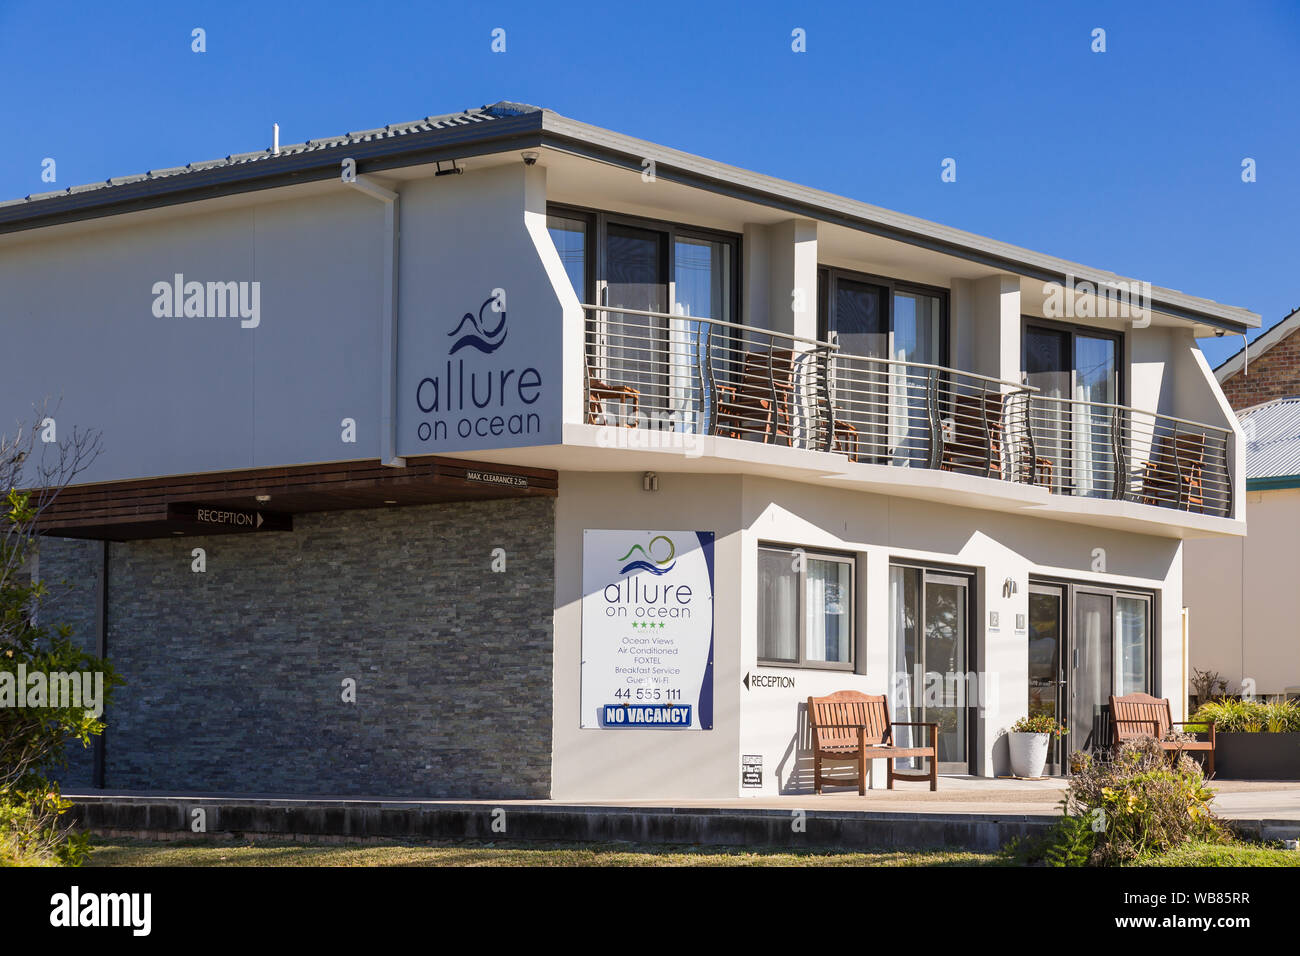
<point x="39" y="718"/>
<point x="34" y="737"/>
<point x="1126" y="808"/>
<point x="1251" y="716"/>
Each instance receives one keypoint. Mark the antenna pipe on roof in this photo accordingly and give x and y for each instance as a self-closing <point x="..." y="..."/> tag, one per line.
<point x="275" y="139"/>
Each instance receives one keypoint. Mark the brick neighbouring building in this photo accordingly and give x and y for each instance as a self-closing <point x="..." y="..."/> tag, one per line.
<point x="1273" y="371"/>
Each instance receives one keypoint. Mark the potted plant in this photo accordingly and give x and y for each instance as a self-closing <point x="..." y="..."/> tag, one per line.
<point x="1254" y="739"/>
<point x="1029" y="739"/>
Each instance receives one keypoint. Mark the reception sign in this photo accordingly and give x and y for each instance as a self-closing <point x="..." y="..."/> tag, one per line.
<point x="647" y="629"/>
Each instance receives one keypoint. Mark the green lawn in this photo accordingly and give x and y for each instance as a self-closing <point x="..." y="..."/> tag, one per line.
<point x="120" y="852"/>
<point x="123" y="852"/>
<point x="1236" y="854"/>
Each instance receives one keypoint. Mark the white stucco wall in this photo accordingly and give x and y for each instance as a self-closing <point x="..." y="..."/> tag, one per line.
<point x="742" y="511"/>
<point x="1245" y="606"/>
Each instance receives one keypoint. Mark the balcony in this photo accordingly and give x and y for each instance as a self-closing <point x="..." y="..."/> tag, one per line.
<point x="654" y="370"/>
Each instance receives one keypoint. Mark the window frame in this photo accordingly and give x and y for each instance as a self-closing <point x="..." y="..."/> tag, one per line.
<point x="1073" y="330"/>
<point x="598" y="221"/>
<point x="802" y="662"/>
<point x="827" y="276"/>
<point x="589" y="263"/>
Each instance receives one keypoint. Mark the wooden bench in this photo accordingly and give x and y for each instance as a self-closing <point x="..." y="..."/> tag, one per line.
<point x="1141" y="715"/>
<point x="849" y="725"/>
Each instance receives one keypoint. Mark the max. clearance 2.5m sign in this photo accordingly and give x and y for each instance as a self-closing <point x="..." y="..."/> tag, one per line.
<point x="647" y="629"/>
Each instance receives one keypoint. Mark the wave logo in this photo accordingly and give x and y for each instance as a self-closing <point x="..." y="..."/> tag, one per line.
<point x="482" y="338"/>
<point x="648" y="561"/>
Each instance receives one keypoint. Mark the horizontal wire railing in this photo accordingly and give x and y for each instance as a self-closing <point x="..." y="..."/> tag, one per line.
<point x="681" y="373"/>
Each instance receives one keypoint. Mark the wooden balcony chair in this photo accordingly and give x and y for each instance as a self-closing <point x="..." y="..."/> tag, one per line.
<point x="848" y="725"/>
<point x="844" y="439"/>
<point x="599" y="392"/>
<point x="1175" y="475"/>
<point x="975" y="446"/>
<point x="759" y="403"/>
<point x="1141" y="715"/>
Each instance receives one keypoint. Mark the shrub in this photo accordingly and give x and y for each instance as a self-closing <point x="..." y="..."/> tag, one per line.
<point x="1251" y="716"/>
<point x="1126" y="808"/>
<point x="1207" y="684"/>
<point x="35" y="730"/>
<point x="1140" y="803"/>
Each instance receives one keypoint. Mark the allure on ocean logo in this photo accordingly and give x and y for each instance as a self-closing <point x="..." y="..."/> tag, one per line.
<point x="179" y="299"/>
<point x="472" y="396"/>
<point x="485" y="340"/>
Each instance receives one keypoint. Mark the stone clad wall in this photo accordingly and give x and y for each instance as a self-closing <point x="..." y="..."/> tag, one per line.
<point x="234" y="676"/>
<point x="69" y="570"/>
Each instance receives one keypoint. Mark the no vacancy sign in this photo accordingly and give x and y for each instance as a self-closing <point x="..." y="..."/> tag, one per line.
<point x="647" y="630"/>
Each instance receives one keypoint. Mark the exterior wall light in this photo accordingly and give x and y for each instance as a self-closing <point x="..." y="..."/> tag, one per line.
<point x="649" y="481"/>
<point x="530" y="157"/>
<point x="1009" y="587"/>
<point x="263" y="499"/>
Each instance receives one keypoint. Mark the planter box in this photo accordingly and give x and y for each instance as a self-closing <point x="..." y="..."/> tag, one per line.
<point x="1261" y="756"/>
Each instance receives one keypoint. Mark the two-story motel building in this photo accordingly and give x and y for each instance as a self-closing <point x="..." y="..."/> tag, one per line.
<point x="498" y="455"/>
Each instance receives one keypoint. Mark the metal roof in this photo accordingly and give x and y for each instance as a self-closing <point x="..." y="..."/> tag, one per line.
<point x="1272" y="433"/>
<point x="481" y="114"/>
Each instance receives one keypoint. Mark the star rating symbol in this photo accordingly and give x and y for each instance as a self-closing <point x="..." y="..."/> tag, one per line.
<point x="645" y="624"/>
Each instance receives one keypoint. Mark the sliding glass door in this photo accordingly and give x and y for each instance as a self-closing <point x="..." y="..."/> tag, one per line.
<point x="654" y="363"/>
<point x="930" y="650"/>
<point x="703" y="281"/>
<point x="1046" y="660"/>
<point x="636" y="278"/>
<point x="1085" y="644"/>
<point x="874" y="321"/>
<point x="1077" y="374"/>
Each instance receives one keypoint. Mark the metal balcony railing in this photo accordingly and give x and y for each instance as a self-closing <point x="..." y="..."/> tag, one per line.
<point x="1100" y="450"/>
<point x="656" y="370"/>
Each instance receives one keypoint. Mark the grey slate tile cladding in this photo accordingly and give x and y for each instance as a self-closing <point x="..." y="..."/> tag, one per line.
<point x="69" y="568"/>
<point x="234" y="676"/>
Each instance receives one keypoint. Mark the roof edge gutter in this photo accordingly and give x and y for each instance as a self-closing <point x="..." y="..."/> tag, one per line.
<point x="1273" y="483"/>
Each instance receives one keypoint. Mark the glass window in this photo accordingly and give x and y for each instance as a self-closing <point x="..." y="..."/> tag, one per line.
<point x="826" y="626"/>
<point x="778" y="606"/>
<point x="918" y="328"/>
<point x="1131" y="617"/>
<point x="570" y="238"/>
<point x="702" y="278"/>
<point x="805" y="612"/>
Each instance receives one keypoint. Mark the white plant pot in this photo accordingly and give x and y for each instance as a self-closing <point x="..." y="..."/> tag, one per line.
<point x="1028" y="753"/>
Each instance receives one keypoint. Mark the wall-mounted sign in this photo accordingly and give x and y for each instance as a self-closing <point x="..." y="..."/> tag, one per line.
<point x="751" y="770"/>
<point x="767" y="680"/>
<point x="495" y="478"/>
<point x="213" y="519"/>
<point x="647" y="629"/>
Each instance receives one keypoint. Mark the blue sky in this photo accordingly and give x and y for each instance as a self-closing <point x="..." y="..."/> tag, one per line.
<point x="1127" y="160"/>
